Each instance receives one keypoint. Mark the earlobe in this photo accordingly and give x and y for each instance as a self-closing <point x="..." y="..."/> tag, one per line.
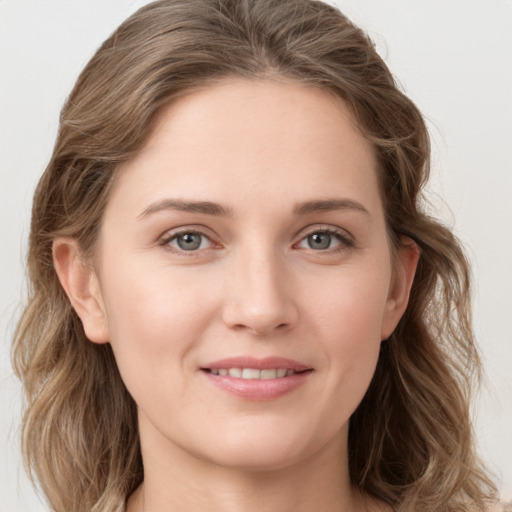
<point x="81" y="285"/>
<point x="405" y="269"/>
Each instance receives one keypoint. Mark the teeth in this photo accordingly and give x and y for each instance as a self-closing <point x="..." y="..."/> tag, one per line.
<point x="253" y="373"/>
<point x="235" y="372"/>
<point x="268" y="374"/>
<point x="250" y="373"/>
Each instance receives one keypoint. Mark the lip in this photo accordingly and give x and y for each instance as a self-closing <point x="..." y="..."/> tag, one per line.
<point x="266" y="363"/>
<point x="258" y="389"/>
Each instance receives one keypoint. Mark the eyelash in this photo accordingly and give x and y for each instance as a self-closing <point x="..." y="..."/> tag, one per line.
<point x="346" y="241"/>
<point x="166" y="240"/>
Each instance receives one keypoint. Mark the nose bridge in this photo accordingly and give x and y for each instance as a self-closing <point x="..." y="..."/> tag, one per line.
<point x="260" y="297"/>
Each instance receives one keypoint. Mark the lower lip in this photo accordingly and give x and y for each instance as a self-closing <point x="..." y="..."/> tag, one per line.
<point x="259" y="389"/>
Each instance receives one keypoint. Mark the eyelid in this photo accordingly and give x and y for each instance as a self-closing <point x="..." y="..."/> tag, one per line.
<point x="326" y="228"/>
<point x="346" y="238"/>
<point x="171" y="234"/>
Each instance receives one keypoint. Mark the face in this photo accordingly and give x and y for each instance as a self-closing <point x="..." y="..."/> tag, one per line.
<point x="244" y="277"/>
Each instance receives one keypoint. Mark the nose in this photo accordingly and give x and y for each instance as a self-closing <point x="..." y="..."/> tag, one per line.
<point x="260" y="296"/>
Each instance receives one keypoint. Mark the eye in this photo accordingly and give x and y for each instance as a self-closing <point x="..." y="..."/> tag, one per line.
<point x="188" y="241"/>
<point x="324" y="240"/>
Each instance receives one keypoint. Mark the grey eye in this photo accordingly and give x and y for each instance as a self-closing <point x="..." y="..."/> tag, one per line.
<point x="189" y="241"/>
<point x="319" y="241"/>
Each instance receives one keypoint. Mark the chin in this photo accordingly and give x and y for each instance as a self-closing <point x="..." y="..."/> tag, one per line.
<point x="257" y="458"/>
<point x="265" y="449"/>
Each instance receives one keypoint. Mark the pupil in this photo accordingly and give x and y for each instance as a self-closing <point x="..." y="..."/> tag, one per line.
<point x="189" y="241"/>
<point x="319" y="240"/>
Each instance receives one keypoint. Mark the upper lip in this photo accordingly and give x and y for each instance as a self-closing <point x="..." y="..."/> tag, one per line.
<point x="266" y="363"/>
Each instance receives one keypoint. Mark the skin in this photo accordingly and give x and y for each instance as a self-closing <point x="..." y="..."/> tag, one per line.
<point x="257" y="285"/>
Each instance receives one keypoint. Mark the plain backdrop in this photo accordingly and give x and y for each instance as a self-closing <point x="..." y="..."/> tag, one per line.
<point x="452" y="57"/>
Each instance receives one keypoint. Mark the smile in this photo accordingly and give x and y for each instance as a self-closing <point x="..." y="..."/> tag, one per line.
<point x="255" y="379"/>
<point x="253" y="373"/>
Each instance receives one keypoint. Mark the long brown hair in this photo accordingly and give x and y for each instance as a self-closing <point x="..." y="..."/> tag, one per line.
<point x="410" y="440"/>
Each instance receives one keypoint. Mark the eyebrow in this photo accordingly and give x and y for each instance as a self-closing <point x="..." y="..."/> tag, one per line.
<point x="326" y="205"/>
<point x="209" y="208"/>
<point x="203" y="207"/>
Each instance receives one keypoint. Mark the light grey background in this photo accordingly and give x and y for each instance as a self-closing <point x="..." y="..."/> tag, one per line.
<point x="452" y="57"/>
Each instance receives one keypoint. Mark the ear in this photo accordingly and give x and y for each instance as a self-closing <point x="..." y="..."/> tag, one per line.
<point x="81" y="285"/>
<point x="398" y="298"/>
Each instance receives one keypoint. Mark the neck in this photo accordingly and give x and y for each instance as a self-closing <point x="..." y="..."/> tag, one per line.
<point x="177" y="480"/>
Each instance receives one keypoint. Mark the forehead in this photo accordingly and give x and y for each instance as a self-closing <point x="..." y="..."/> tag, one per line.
<point x="276" y="138"/>
<point x="237" y="108"/>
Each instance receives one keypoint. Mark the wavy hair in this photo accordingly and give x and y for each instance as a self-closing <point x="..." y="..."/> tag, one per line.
<point x="410" y="440"/>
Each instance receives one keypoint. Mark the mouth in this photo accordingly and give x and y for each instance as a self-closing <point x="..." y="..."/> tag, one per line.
<point x="257" y="379"/>
<point x="254" y="373"/>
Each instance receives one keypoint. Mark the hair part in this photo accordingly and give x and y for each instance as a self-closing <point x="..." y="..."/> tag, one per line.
<point x="410" y="440"/>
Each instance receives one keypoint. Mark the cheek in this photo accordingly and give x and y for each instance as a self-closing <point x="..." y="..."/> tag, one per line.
<point x="153" y="316"/>
<point x="353" y="304"/>
<point x="349" y="316"/>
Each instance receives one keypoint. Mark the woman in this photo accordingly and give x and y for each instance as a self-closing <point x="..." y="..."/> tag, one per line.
<point x="237" y="300"/>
